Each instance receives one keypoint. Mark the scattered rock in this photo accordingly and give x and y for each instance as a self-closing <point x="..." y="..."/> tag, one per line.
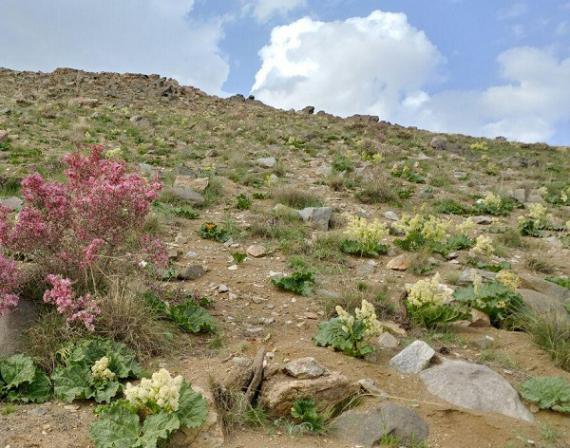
<point x="12" y="203"/>
<point x="366" y="269"/>
<point x="482" y="220"/>
<point x="400" y="263"/>
<point x="476" y="387"/>
<point x="365" y="428"/>
<point x="466" y="276"/>
<point x="386" y="340"/>
<point x="303" y="368"/>
<point x="256" y="250"/>
<point x="309" y="110"/>
<point x="267" y="162"/>
<point x="544" y="304"/>
<point x="393" y="327"/>
<point x="191" y="272"/>
<point x="439" y="142"/>
<point x="369" y="386"/>
<point x="280" y="392"/>
<point x="317" y="216"/>
<point x="479" y="319"/>
<point x="414" y="358"/>
<point x="548" y="288"/>
<point x="209" y="435"/>
<point x="392" y="216"/>
<point x="189" y="189"/>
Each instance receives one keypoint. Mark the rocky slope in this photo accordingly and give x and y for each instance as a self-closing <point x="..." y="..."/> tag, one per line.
<point x="235" y="160"/>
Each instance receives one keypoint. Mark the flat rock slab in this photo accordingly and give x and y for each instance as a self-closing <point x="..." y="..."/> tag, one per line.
<point x="476" y="387"/>
<point x="414" y="358"/>
<point x="544" y="304"/>
<point x="280" y="391"/>
<point x="365" y="428"/>
<point x="12" y="203"/>
<point x="304" y="368"/>
<point x="13" y="325"/>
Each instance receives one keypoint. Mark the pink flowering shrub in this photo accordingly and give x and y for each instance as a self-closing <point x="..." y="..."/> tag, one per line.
<point x="9" y="281"/>
<point x="82" y="309"/>
<point x="81" y="229"/>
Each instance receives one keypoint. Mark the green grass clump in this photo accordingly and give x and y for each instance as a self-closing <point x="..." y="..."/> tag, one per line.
<point x="299" y="282"/>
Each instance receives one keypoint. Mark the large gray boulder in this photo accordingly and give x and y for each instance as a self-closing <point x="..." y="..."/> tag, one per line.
<point x="319" y="217"/>
<point x="13" y="325"/>
<point x="544" y="304"/>
<point x="476" y="387"/>
<point x="366" y="428"/>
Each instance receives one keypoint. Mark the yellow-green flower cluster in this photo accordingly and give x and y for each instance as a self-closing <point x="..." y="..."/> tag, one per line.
<point x="537" y="213"/>
<point x="366" y="232"/>
<point x="365" y="314"/>
<point x="429" y="292"/>
<point x="431" y="227"/>
<point x="492" y="201"/>
<point x="484" y="246"/>
<point x="100" y="370"/>
<point x="509" y="279"/>
<point x="161" y="390"/>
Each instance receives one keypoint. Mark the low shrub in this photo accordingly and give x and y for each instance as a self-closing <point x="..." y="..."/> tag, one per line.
<point x="243" y="202"/>
<point x="493" y="204"/>
<point x="93" y="369"/>
<point x="364" y="238"/>
<point x="536" y="221"/>
<point x="296" y="198"/>
<point x="152" y="411"/>
<point x="548" y="393"/>
<point x="187" y="315"/>
<point x="350" y="333"/>
<point x="299" y="282"/>
<point x="495" y="299"/>
<point x="212" y="231"/>
<point x="305" y="412"/>
<point x="430" y="303"/>
<point x="23" y="382"/>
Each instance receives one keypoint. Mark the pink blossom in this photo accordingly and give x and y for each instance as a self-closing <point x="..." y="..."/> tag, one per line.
<point x="82" y="309"/>
<point x="9" y="280"/>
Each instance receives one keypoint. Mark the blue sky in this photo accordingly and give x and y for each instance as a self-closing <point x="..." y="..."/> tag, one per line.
<point x="482" y="67"/>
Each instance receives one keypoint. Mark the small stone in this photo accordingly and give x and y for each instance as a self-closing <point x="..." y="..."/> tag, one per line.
<point x="479" y="319"/>
<point x="303" y="368"/>
<point x="400" y="263"/>
<point x="311" y="315"/>
<point x="394" y="328"/>
<point x="223" y="288"/>
<point x="482" y="220"/>
<point x="386" y="340"/>
<point x="256" y="250"/>
<point x="266" y="162"/>
<point x="392" y="216"/>
<point x="192" y="272"/>
<point x="439" y="142"/>
<point x="370" y="386"/>
<point x="38" y="412"/>
<point x="414" y="358"/>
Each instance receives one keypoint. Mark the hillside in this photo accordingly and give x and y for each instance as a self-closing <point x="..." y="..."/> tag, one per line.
<point x="248" y="168"/>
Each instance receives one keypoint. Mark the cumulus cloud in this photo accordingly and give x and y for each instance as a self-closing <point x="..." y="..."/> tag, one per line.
<point x="264" y="10"/>
<point x="360" y="65"/>
<point x="147" y="36"/>
<point x="382" y="65"/>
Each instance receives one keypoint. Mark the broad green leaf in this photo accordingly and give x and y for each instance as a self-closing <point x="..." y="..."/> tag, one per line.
<point x="17" y="369"/>
<point x="72" y="383"/>
<point x="104" y="392"/>
<point x="158" y="427"/>
<point x="118" y="428"/>
<point x="192" y="317"/>
<point x="38" y="391"/>
<point x="192" y="407"/>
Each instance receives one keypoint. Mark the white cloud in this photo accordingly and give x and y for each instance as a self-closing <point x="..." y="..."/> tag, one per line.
<point x="147" y="36"/>
<point x="361" y="65"/>
<point x="264" y="10"/>
<point x="382" y="65"/>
